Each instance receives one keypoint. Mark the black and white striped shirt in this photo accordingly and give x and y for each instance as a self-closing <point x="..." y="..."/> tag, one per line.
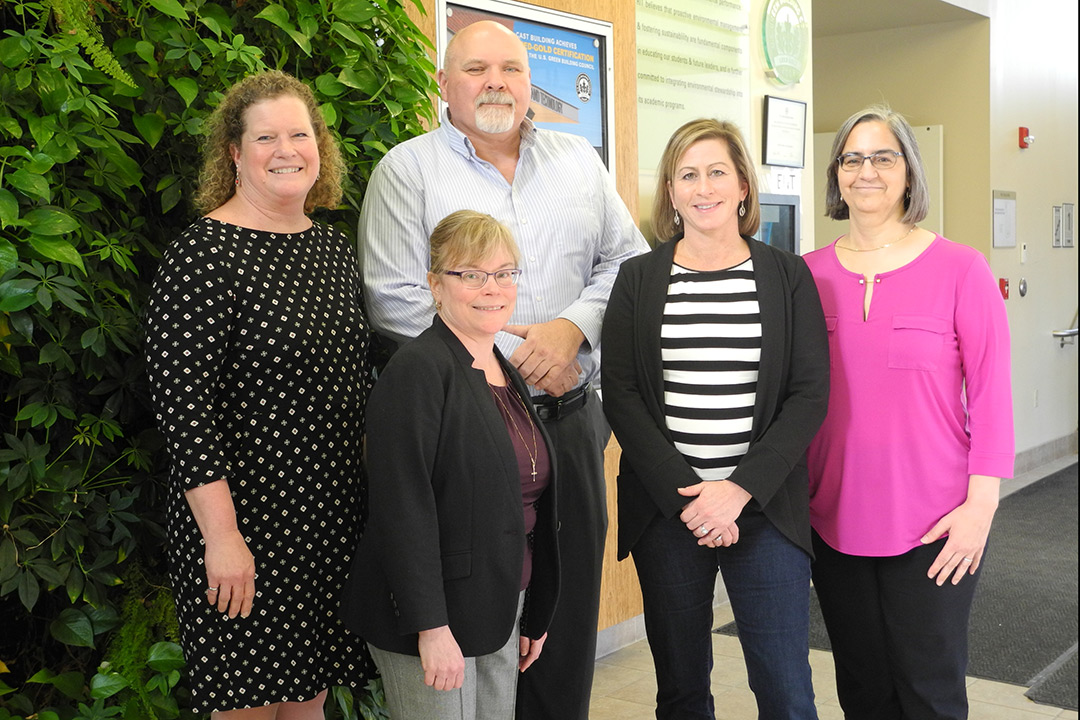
<point x="711" y="348"/>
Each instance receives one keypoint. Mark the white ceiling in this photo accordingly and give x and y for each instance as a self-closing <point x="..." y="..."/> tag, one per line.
<point x="839" y="17"/>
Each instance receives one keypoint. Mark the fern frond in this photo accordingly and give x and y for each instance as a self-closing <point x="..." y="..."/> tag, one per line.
<point x="75" y="17"/>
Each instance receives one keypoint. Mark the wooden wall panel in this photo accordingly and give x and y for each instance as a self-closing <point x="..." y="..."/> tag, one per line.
<point x="620" y="594"/>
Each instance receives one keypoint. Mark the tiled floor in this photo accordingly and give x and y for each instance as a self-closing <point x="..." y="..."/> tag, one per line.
<point x="625" y="685"/>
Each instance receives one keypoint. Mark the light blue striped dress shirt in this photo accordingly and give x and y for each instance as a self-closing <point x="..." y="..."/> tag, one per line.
<point x="570" y="224"/>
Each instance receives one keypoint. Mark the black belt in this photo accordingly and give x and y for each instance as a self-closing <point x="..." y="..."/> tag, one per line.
<point x="556" y="408"/>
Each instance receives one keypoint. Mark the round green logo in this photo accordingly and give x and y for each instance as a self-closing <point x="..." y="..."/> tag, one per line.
<point x="786" y="38"/>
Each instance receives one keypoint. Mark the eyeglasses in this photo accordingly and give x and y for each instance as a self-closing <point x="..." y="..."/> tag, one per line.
<point x="881" y="160"/>
<point x="476" y="279"/>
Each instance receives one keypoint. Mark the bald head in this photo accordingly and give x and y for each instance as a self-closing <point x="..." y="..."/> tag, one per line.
<point x="485" y="81"/>
<point x="479" y="34"/>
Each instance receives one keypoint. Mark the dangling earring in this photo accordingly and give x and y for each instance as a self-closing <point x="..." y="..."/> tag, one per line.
<point x="677" y="218"/>
<point x="237" y="174"/>
<point x="742" y="209"/>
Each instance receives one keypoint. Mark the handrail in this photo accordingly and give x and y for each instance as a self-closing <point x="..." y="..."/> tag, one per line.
<point x="1067" y="335"/>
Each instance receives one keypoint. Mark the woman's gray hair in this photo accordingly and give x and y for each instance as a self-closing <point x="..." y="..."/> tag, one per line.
<point x="917" y="197"/>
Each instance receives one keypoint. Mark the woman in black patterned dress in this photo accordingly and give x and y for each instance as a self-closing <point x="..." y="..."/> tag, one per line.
<point x="256" y="347"/>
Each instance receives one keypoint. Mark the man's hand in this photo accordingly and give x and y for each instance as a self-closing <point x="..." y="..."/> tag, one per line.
<point x="548" y="357"/>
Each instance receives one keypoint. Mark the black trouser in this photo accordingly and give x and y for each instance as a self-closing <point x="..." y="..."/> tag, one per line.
<point x="900" y="642"/>
<point x="559" y="684"/>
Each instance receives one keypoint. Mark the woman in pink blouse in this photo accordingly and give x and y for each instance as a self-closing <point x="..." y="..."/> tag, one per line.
<point x="904" y="472"/>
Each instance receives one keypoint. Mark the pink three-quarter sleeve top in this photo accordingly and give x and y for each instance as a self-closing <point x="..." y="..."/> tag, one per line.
<point x="920" y="397"/>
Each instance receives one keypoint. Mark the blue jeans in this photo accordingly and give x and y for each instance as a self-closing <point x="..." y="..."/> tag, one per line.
<point x="768" y="582"/>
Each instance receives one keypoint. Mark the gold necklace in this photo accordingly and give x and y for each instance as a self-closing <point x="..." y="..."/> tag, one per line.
<point x="533" y="454"/>
<point x="879" y="247"/>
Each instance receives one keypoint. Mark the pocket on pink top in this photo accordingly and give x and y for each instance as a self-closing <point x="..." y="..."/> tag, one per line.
<point x="917" y="342"/>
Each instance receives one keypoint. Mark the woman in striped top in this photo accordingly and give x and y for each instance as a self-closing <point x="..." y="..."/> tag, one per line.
<point x="715" y="379"/>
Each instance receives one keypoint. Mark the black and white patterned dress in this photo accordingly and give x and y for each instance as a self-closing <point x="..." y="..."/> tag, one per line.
<point x="256" y="347"/>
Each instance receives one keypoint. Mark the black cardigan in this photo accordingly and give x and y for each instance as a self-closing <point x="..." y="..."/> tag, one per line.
<point x="792" y="394"/>
<point x="444" y="539"/>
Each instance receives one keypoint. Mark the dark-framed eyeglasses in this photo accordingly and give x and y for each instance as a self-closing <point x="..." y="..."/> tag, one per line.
<point x="476" y="279"/>
<point x="882" y="160"/>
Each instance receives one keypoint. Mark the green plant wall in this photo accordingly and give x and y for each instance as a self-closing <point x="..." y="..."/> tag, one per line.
<point x="102" y="105"/>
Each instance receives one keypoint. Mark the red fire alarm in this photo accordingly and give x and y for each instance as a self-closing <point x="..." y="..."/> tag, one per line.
<point x="1003" y="285"/>
<point x="1026" y="138"/>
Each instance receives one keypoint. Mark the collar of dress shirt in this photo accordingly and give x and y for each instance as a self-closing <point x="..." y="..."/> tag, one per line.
<point x="460" y="142"/>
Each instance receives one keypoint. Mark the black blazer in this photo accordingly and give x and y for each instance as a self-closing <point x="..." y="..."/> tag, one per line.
<point x="792" y="394"/>
<point x="445" y="532"/>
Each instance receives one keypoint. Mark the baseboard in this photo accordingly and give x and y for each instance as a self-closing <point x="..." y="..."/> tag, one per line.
<point x="1046" y="453"/>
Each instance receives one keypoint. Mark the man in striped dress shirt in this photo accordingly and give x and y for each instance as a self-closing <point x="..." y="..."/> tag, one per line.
<point x="574" y="231"/>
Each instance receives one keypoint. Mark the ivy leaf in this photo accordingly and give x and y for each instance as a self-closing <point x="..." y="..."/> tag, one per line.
<point x="329" y="86"/>
<point x="363" y="79"/>
<point x="187" y="88"/>
<point x="165" y="657"/>
<point x="50" y="221"/>
<point x="106" y="685"/>
<point x="172" y="8"/>
<point x="12" y="52"/>
<point x="28" y="589"/>
<point x="56" y="249"/>
<point x="274" y="13"/>
<point x="151" y="126"/>
<point x="9" y="213"/>
<point x="354" y="11"/>
<point x="73" y="628"/>
<point x="30" y="184"/>
<point x="17" y="295"/>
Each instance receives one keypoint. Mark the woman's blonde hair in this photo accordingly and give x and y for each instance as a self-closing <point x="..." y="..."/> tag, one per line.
<point x="467" y="237"/>
<point x="695" y="131"/>
<point x="217" y="180"/>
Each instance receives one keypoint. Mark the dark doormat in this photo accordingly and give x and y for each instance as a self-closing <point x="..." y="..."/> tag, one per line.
<point x="1024" y="617"/>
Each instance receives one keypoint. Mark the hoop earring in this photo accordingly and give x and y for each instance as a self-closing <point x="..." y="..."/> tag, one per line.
<point x="677" y="218"/>
<point x="742" y="209"/>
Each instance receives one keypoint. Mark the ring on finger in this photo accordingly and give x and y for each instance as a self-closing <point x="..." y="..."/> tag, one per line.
<point x="211" y="589"/>
<point x="703" y="530"/>
<point x="967" y="560"/>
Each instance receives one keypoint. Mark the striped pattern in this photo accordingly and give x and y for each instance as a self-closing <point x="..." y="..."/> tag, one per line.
<point x="571" y="226"/>
<point x="711" y="348"/>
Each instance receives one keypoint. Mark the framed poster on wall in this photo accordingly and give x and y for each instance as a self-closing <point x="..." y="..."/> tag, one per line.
<point x="569" y="58"/>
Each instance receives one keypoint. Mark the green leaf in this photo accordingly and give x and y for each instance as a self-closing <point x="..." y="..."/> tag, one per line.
<point x="71" y="684"/>
<point x="329" y="113"/>
<point x="277" y="15"/>
<point x="56" y="249"/>
<point x="30" y="184"/>
<point x="172" y="8"/>
<point x="106" y="685"/>
<point x="350" y="34"/>
<point x="12" y="52"/>
<point x="355" y="12"/>
<point x="363" y="79"/>
<point x="151" y="126"/>
<point x="16" y="295"/>
<point x="145" y="51"/>
<point x="73" y="628"/>
<point x="329" y="86"/>
<point x="23" y="78"/>
<point x="187" y="88"/>
<point x="9" y="213"/>
<point x="50" y="221"/>
<point x="28" y="589"/>
<point x="165" y="657"/>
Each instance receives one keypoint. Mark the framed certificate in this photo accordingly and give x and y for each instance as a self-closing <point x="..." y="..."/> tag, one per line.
<point x="784" y="137"/>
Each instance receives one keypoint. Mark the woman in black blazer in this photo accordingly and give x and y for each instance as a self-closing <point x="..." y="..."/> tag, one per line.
<point x="715" y="379"/>
<point x="459" y="554"/>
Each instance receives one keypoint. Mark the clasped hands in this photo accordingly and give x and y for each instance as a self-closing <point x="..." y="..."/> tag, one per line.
<point x="711" y="515"/>
<point x="547" y="359"/>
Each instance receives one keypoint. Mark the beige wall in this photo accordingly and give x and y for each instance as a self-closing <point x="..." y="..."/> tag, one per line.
<point x="934" y="75"/>
<point x="1033" y="82"/>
